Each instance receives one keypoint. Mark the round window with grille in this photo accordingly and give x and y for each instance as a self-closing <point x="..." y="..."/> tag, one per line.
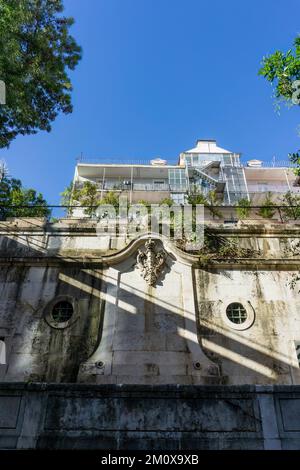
<point x="236" y="313"/>
<point x="62" y="311"/>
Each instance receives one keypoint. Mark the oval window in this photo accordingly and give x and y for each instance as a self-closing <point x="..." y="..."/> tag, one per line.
<point x="236" y="313"/>
<point x="62" y="311"/>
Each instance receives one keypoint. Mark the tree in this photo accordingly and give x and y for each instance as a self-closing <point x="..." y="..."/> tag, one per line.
<point x="112" y="198"/>
<point x="36" y="49"/>
<point x="87" y="196"/>
<point x="66" y="198"/>
<point x="295" y="159"/>
<point x="283" y="69"/>
<point x="17" y="201"/>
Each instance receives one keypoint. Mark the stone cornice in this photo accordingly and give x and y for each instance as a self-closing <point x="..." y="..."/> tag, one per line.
<point x="89" y="227"/>
<point x="282" y="264"/>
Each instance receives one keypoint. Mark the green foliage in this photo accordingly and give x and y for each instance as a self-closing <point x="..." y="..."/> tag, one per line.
<point x="217" y="247"/>
<point x="111" y="198"/>
<point x="144" y="202"/>
<point x="283" y="69"/>
<point x="12" y="193"/>
<point x="268" y="208"/>
<point x="87" y="196"/>
<point x="210" y="201"/>
<point x="243" y="208"/>
<point x="66" y="198"/>
<point x="36" y="49"/>
<point x="167" y="201"/>
<point x="196" y="197"/>
<point x="66" y="195"/>
<point x="295" y="159"/>
<point x="290" y="206"/>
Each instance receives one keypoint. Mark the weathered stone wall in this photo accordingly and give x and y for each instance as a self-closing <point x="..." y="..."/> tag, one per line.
<point x="265" y="351"/>
<point x="36" y="350"/>
<point x="74" y="416"/>
<point x="41" y="263"/>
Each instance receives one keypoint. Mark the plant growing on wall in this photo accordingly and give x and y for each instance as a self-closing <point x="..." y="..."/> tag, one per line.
<point x="268" y="208"/>
<point x="167" y="201"/>
<point x="143" y="201"/>
<point x="217" y="248"/>
<point x="293" y="281"/>
<point x="290" y="208"/>
<point x="243" y="208"/>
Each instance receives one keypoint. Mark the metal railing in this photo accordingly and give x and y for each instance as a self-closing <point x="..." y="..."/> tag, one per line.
<point x="121" y="161"/>
<point x="231" y="214"/>
<point x="114" y="186"/>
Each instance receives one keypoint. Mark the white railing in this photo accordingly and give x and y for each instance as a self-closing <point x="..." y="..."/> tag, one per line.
<point x="150" y="187"/>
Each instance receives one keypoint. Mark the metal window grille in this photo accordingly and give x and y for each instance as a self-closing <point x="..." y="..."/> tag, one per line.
<point x="62" y="311"/>
<point x="236" y="313"/>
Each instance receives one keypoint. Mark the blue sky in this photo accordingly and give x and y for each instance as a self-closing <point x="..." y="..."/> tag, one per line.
<point x="156" y="75"/>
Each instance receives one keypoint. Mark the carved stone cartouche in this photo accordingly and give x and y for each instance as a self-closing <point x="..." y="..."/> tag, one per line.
<point x="150" y="262"/>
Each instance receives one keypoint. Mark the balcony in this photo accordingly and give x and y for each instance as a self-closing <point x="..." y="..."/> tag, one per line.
<point x="151" y="187"/>
<point x="113" y="186"/>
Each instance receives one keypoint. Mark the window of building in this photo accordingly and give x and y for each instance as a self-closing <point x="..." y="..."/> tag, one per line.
<point x="62" y="311"/>
<point x="177" y="179"/>
<point x="178" y="198"/>
<point x="236" y="313"/>
<point x="188" y="160"/>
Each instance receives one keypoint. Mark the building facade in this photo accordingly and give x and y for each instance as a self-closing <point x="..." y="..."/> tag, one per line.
<point x="205" y="168"/>
<point x="111" y="342"/>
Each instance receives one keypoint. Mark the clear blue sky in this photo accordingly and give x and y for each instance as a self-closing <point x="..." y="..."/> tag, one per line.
<point x="158" y="74"/>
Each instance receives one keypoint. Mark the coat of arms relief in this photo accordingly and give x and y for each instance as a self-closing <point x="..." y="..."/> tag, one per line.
<point x="150" y="262"/>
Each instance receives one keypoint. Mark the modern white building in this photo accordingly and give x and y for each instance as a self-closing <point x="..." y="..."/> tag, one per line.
<point x="206" y="167"/>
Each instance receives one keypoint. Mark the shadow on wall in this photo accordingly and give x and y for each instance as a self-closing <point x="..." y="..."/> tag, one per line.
<point x="247" y="359"/>
<point x="54" y="355"/>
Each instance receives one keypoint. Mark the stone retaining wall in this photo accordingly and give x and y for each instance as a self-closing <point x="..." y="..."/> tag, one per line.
<point x="170" y="417"/>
